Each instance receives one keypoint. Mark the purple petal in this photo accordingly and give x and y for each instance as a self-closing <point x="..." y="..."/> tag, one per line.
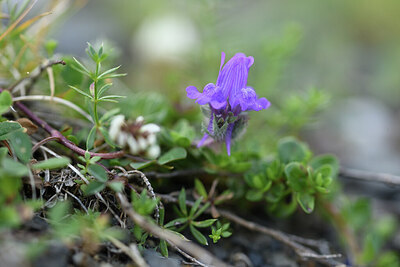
<point x="222" y="60"/>
<point x="192" y="92"/>
<point x="206" y="96"/>
<point x="202" y="140"/>
<point x="228" y="138"/>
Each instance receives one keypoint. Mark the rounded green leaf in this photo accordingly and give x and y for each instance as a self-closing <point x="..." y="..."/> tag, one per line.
<point x="172" y="155"/>
<point x="5" y="101"/>
<point x="289" y="149"/>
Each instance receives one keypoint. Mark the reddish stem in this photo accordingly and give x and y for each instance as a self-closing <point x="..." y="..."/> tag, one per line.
<point x="61" y="138"/>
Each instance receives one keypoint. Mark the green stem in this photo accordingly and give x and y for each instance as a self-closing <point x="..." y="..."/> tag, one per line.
<point x="96" y="115"/>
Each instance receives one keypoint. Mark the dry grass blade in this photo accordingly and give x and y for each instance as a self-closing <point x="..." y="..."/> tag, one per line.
<point x="12" y="26"/>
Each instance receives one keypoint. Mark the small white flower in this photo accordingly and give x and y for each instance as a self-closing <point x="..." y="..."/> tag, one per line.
<point x="153" y="152"/>
<point x="150" y="128"/>
<point x="142" y="144"/>
<point x="133" y="145"/>
<point x="115" y="126"/>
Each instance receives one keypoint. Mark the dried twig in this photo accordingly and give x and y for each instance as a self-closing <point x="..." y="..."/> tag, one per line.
<point x="385" y="178"/>
<point x="187" y="246"/>
<point x="131" y="251"/>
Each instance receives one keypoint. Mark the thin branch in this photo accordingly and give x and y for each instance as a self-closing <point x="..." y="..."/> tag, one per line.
<point x="35" y="74"/>
<point x="187" y="246"/>
<point x="77" y="199"/>
<point x="131" y="251"/>
<point x="183" y="253"/>
<point x="57" y="100"/>
<point x="62" y="139"/>
<point x="42" y="142"/>
<point x="385" y="178"/>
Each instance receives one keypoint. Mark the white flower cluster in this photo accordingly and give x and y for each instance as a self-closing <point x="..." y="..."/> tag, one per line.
<point x="140" y="138"/>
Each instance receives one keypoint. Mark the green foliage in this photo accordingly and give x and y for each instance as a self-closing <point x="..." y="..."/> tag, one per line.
<point x="5" y="101"/>
<point x="53" y="163"/>
<point x="291" y="177"/>
<point x="97" y="90"/>
<point x="186" y="218"/>
<point x="221" y="230"/>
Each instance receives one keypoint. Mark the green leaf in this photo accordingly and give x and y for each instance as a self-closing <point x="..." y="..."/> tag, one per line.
<point x="103" y="75"/>
<point x="106" y="136"/>
<point x="98" y="172"/>
<point x="116" y="186"/>
<point x="195" y="206"/>
<point x="254" y="195"/>
<point x="199" y="236"/>
<point x="173" y="223"/>
<point x="59" y="211"/>
<point x="200" y="188"/>
<point x="9" y="127"/>
<point x="164" y="248"/>
<point x="205" y="223"/>
<point x="172" y="155"/>
<point x="326" y="159"/>
<point x="91" y="138"/>
<point x="80" y="67"/>
<point x="289" y="149"/>
<point x="5" y="101"/>
<point x="14" y="168"/>
<point x="142" y="165"/>
<point x="22" y="146"/>
<point x="94" y="187"/>
<point x="306" y="201"/>
<point x="53" y="163"/>
<point x="109" y="114"/>
<point x="297" y="176"/>
<point x="182" y="201"/>
<point x="104" y="89"/>
<point x="80" y="91"/>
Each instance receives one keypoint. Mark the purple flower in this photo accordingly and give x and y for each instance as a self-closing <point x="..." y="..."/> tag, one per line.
<point x="228" y="98"/>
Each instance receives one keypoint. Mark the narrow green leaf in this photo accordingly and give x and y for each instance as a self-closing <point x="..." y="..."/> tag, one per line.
<point x="106" y="136"/>
<point x="200" y="188"/>
<point x="81" y="68"/>
<point x="91" y="138"/>
<point x="172" y="155"/>
<point x="109" y="114"/>
<point x="108" y="72"/>
<point x="5" y="101"/>
<point x="53" y="163"/>
<point x="98" y="172"/>
<point x="195" y="206"/>
<point x="80" y="91"/>
<point x="199" y="236"/>
<point x="142" y="165"/>
<point x="182" y="201"/>
<point x="104" y="88"/>
<point x="176" y="222"/>
<point x="205" y="223"/>
<point x="164" y="248"/>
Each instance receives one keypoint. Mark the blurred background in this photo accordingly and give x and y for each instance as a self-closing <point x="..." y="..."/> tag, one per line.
<point x="344" y="51"/>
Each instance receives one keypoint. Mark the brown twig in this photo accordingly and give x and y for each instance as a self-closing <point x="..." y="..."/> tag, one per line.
<point x="385" y="178"/>
<point x="187" y="246"/>
<point x="131" y="251"/>
<point x="43" y="141"/>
